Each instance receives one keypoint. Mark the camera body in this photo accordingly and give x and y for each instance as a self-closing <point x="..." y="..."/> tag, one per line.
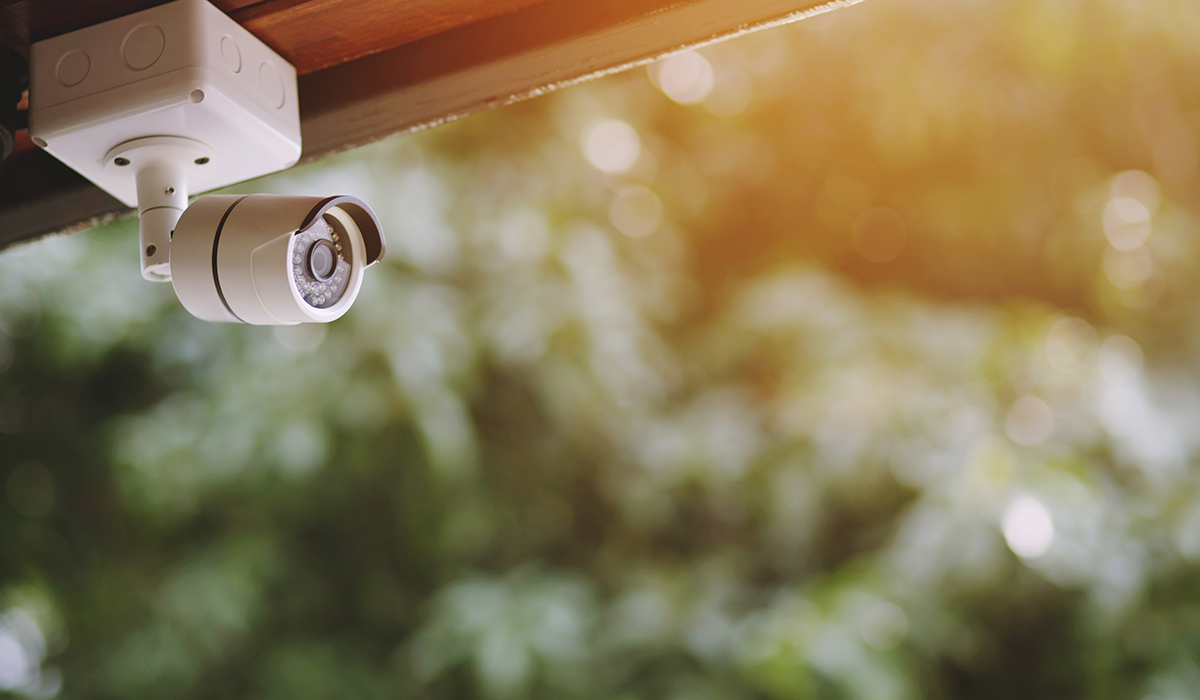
<point x="273" y="259"/>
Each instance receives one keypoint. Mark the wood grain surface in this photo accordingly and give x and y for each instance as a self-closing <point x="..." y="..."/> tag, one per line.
<point x="311" y="34"/>
<point x="316" y="34"/>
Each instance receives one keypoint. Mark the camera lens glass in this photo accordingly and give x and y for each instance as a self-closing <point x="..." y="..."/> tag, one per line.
<point x="320" y="265"/>
<point x="322" y="260"/>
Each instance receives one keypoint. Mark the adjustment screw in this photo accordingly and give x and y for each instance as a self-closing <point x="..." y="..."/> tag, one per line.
<point x="122" y="161"/>
<point x="150" y="251"/>
<point x="201" y="161"/>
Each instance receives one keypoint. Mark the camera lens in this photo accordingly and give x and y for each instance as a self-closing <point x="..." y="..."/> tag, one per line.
<point x="322" y="260"/>
<point x="320" y="265"/>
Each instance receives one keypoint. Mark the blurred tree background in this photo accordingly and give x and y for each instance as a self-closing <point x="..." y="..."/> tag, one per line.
<point x="853" y="359"/>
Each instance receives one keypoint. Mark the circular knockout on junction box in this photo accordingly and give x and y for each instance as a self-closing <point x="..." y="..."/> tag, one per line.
<point x="272" y="85"/>
<point x="231" y="54"/>
<point x="72" y="68"/>
<point x="142" y="46"/>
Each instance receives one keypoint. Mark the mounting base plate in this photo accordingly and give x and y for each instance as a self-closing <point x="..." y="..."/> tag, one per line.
<point x="161" y="169"/>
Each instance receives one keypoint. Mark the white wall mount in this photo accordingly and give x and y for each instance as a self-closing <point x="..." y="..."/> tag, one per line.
<point x="162" y="103"/>
<point x="162" y="169"/>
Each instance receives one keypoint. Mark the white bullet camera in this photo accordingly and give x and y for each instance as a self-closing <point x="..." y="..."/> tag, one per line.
<point x="181" y="98"/>
<point x="272" y="259"/>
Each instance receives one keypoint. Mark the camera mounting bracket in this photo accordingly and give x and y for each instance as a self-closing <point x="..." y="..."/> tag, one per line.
<point x="162" y="169"/>
<point x="181" y="93"/>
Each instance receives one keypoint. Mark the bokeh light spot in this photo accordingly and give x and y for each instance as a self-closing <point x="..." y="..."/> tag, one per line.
<point x="1029" y="421"/>
<point x="879" y="234"/>
<point x="1028" y="529"/>
<point x="523" y="234"/>
<point x="883" y="625"/>
<point x="1069" y="343"/>
<point x="686" y="78"/>
<point x="611" y="145"/>
<point x="1139" y="186"/>
<point x="31" y="628"/>
<point x="300" y="449"/>
<point x="1127" y="269"/>
<point x="1120" y="359"/>
<point x="636" y="211"/>
<point x="16" y="668"/>
<point x="1126" y="223"/>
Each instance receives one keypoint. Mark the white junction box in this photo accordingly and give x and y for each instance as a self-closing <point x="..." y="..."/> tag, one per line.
<point x="184" y="72"/>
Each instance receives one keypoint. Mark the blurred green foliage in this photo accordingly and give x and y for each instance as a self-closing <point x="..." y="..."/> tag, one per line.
<point x="854" y="359"/>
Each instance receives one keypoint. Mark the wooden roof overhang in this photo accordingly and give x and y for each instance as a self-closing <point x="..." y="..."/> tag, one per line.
<point x="370" y="69"/>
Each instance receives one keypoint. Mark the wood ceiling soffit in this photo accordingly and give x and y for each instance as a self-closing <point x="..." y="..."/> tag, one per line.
<point x="514" y="57"/>
<point x="320" y="33"/>
<point x="428" y="81"/>
<point x="311" y="34"/>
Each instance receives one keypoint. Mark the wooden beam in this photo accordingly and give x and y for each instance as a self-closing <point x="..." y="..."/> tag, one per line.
<point x="428" y="82"/>
<point x="316" y="34"/>
<point x="514" y="57"/>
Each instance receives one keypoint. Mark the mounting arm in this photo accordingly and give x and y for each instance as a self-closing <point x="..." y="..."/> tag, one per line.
<point x="162" y="167"/>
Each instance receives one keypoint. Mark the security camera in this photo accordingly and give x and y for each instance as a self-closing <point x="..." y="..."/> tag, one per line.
<point x="271" y="259"/>
<point x="179" y="98"/>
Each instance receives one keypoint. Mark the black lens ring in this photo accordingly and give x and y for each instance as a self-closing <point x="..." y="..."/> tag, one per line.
<point x="333" y="256"/>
